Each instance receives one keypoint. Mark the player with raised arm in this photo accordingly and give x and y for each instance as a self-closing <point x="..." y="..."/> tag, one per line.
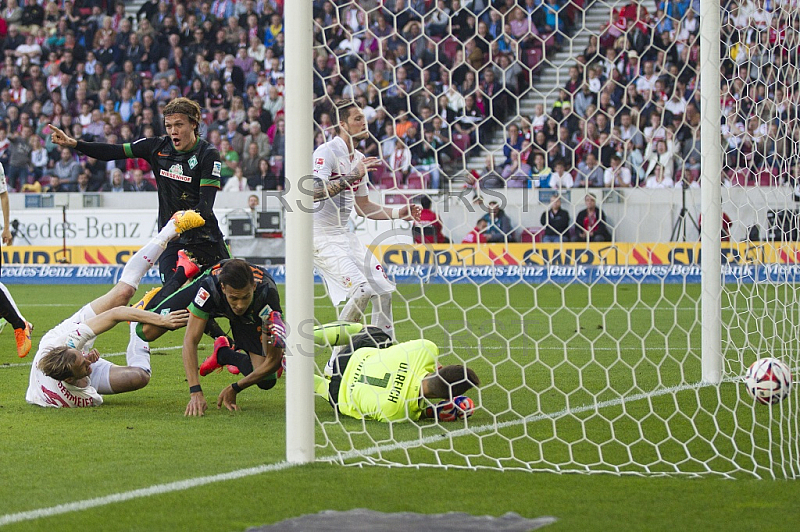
<point x="63" y="374"/>
<point x="247" y="296"/>
<point x="187" y="171"/>
<point x="349" y="270"/>
<point x="8" y="307"/>
<point x="373" y="379"/>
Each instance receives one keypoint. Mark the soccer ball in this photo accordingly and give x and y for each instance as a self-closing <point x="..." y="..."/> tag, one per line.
<point x="768" y="380"/>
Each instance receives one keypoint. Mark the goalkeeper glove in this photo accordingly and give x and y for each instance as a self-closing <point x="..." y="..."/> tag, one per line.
<point x="459" y="408"/>
<point x="276" y="329"/>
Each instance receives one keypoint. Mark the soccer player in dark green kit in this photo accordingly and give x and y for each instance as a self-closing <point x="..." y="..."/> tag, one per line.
<point x="187" y="171"/>
<point x="388" y="382"/>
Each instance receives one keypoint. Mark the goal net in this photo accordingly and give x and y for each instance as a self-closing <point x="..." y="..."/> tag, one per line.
<point x="558" y="143"/>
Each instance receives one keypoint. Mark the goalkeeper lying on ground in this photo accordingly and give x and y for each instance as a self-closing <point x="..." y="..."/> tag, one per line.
<point x="373" y="379"/>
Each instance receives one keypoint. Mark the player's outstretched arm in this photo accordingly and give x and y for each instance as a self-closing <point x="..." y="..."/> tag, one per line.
<point x="273" y="344"/>
<point x="99" y="150"/>
<point x="108" y="319"/>
<point x="368" y="209"/>
<point x="324" y="189"/>
<point x="194" y="333"/>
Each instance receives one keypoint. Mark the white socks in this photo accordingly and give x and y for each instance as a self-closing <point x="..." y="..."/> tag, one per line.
<point x="148" y="255"/>
<point x="382" y="314"/>
<point x="138" y="353"/>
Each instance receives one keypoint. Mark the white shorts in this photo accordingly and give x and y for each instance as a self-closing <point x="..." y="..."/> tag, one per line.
<point x="100" y="376"/>
<point x="344" y="263"/>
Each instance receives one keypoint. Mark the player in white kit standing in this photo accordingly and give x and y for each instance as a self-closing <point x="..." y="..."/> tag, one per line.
<point x="350" y="271"/>
<point x="67" y="372"/>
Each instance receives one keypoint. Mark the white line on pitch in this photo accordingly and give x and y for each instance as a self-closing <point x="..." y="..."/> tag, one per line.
<point x="181" y="485"/>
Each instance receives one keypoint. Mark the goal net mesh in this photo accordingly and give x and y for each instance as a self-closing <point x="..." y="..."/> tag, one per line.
<point x="584" y="327"/>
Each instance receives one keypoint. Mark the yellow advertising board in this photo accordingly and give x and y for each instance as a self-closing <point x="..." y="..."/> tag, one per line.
<point x="616" y="254"/>
<point x="70" y="255"/>
<point x="537" y="254"/>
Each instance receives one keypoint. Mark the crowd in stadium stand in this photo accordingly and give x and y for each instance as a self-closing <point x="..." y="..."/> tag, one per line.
<point x="436" y="79"/>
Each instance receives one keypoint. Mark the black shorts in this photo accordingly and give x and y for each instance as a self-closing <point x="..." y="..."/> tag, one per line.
<point x="206" y="255"/>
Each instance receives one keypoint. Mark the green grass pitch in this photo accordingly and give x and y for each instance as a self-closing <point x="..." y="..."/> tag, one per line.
<point x="605" y="375"/>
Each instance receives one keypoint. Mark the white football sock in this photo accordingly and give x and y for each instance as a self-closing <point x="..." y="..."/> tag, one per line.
<point x="138" y="353"/>
<point x="148" y="255"/>
<point x="382" y="314"/>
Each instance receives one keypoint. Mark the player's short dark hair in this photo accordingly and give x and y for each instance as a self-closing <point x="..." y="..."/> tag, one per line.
<point x="451" y="381"/>
<point x="236" y="274"/>
<point x="343" y="109"/>
<point x="185" y="106"/>
<point x="425" y="201"/>
<point x="57" y="364"/>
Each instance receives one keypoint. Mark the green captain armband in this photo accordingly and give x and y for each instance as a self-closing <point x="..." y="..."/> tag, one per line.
<point x="336" y="333"/>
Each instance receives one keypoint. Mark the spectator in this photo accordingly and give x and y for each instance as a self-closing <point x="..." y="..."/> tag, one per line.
<point x="139" y="184"/>
<point x="428" y="230"/>
<point x="488" y="177"/>
<point x="477" y="235"/>
<point x="274" y="102"/>
<point x="83" y="182"/>
<point x="540" y="172"/>
<point x="589" y="173"/>
<point x="513" y="143"/>
<point x="230" y="160"/>
<point x="399" y="161"/>
<point x="498" y="225"/>
<point x="259" y="138"/>
<point x="118" y="183"/>
<point x="561" y="179"/>
<point x="270" y="180"/>
<point x="424" y="158"/>
<point x="234" y="138"/>
<point x="517" y="173"/>
<point x="664" y="155"/>
<point x="555" y="221"/>
<point x="616" y="175"/>
<point x="250" y="160"/>
<point x="590" y="226"/>
<point x="19" y="159"/>
<point x="659" y="179"/>
<point x="237" y="183"/>
<point x="39" y="157"/>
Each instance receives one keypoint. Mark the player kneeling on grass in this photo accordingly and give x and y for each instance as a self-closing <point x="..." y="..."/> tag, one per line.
<point x="373" y="379"/>
<point x="67" y="372"/>
<point x="248" y="297"/>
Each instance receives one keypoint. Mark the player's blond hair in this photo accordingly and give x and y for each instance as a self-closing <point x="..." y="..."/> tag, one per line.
<point x="57" y="363"/>
<point x="185" y="106"/>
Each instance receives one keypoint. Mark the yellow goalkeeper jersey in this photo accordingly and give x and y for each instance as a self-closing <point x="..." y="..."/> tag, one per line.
<point x="384" y="384"/>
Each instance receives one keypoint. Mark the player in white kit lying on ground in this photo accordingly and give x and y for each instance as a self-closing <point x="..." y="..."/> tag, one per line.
<point x="67" y="372"/>
<point x="350" y="271"/>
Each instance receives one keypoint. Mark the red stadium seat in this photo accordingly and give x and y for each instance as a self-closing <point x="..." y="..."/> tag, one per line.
<point x="740" y="177"/>
<point x="461" y="142"/>
<point x="532" y="234"/>
<point x="388" y="181"/>
<point x="416" y="181"/>
<point x="533" y="57"/>
<point x="451" y="46"/>
<point x="767" y="178"/>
